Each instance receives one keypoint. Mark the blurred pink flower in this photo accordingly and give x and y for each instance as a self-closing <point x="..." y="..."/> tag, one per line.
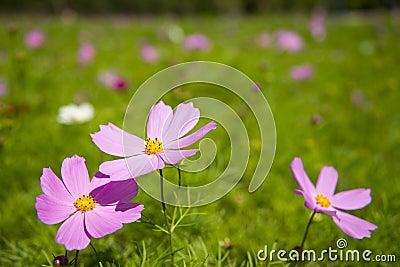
<point x="264" y="40"/>
<point x="86" y="53"/>
<point x="317" y="24"/>
<point x="289" y="41"/>
<point x="113" y="81"/>
<point x="149" y="53"/>
<point x="35" y="39"/>
<point x="3" y="88"/>
<point x="197" y="42"/>
<point x="302" y="72"/>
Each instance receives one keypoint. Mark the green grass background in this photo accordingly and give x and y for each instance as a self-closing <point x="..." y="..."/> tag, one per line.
<point x="360" y="58"/>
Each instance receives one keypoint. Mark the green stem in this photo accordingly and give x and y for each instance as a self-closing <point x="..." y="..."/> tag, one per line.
<point x="76" y="258"/>
<point x="166" y="218"/>
<point x="179" y="176"/>
<point x="308" y="227"/>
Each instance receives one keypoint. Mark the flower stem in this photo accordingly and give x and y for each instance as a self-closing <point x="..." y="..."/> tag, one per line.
<point x="179" y="176"/>
<point x="76" y="258"/>
<point x="308" y="227"/>
<point x="166" y="217"/>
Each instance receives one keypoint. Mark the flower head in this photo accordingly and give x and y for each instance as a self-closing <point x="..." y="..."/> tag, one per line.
<point x="75" y="114"/>
<point x="289" y="41"/>
<point x="317" y="24"/>
<point x="88" y="208"/>
<point x="3" y="88"/>
<point x="86" y="53"/>
<point x="302" y="72"/>
<point x="166" y="132"/>
<point x="322" y="198"/>
<point x="197" y="42"/>
<point x="35" y="39"/>
<point x="149" y="54"/>
<point x="113" y="81"/>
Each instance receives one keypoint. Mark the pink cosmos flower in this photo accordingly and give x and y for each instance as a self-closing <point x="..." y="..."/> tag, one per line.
<point x="165" y="138"/>
<point x="88" y="208"/>
<point x="35" y="39"/>
<point x="113" y="81"/>
<point x="3" y="88"/>
<point x="302" y="72"/>
<point x="264" y="40"/>
<point x="197" y="42"/>
<point x="317" y="24"/>
<point x="289" y="41"/>
<point x="86" y="53"/>
<point x="322" y="198"/>
<point x="149" y="54"/>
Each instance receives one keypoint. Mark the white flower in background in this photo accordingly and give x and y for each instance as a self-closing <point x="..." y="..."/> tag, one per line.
<point x="75" y="114"/>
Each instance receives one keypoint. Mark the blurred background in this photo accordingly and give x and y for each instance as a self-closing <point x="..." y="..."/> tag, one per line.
<point x="190" y="7"/>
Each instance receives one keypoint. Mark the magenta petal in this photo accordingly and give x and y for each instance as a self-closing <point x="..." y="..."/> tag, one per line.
<point x="102" y="221"/>
<point x="174" y="156"/>
<point x="159" y="119"/>
<point x="352" y="199"/>
<point x="75" y="176"/>
<point x="143" y="164"/>
<point x="52" y="210"/>
<point x="116" y="169"/>
<point x="114" y="141"/>
<point x="72" y="233"/>
<point x="301" y="177"/>
<point x="184" y="119"/>
<point x="192" y="138"/>
<point x="353" y="226"/>
<point x="129" y="212"/>
<point x="52" y="186"/>
<point x="116" y="191"/>
<point x="327" y="180"/>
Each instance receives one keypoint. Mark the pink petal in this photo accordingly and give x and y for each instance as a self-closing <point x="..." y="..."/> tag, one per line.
<point x="129" y="212"/>
<point x="102" y="221"/>
<point x="72" y="233"/>
<point x="159" y="119"/>
<point x="143" y="164"/>
<point x="116" y="191"/>
<point x="191" y="139"/>
<point x="75" y="175"/>
<point x="114" y="141"/>
<point x="184" y="119"/>
<point x="53" y="186"/>
<point x="134" y="166"/>
<point x="174" y="156"/>
<point x="98" y="180"/>
<point x="353" y="226"/>
<point x="352" y="199"/>
<point x="301" y="177"/>
<point x="327" y="180"/>
<point x="116" y="169"/>
<point x="52" y="210"/>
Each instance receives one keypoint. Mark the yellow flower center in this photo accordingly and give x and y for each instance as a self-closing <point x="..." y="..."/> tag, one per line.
<point x="323" y="201"/>
<point x="85" y="203"/>
<point x="153" y="146"/>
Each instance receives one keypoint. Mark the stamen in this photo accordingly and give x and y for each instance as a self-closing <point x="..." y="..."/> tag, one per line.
<point x="153" y="146"/>
<point x="323" y="201"/>
<point x="85" y="203"/>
